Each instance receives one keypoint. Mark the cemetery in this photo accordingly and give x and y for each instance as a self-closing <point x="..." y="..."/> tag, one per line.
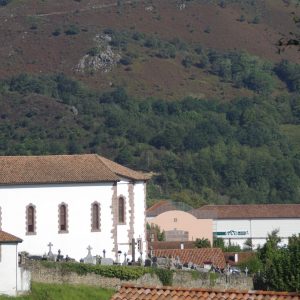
<point x="105" y="272"/>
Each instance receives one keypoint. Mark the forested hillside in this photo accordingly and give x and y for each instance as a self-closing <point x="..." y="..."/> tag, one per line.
<point x="246" y="150"/>
<point x="159" y="87"/>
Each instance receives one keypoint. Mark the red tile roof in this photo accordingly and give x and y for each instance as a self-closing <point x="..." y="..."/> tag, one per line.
<point x="87" y="168"/>
<point x="242" y="257"/>
<point x="131" y="292"/>
<point x="8" y="238"/>
<point x="247" y="211"/>
<point x="197" y="255"/>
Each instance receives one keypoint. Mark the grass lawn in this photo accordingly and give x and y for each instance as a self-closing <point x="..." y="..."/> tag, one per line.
<point x="42" y="291"/>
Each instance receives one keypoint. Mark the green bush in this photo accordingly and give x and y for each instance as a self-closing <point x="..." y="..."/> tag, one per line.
<point x="56" y="32"/>
<point x="4" y="2"/>
<point x="165" y="276"/>
<point x="72" y="30"/>
<point x="93" y="51"/>
<point x="121" y="272"/>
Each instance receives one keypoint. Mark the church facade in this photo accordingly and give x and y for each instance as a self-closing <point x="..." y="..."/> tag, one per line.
<point x="73" y="202"/>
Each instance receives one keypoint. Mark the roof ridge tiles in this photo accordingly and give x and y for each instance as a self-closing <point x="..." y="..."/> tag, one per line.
<point x="57" y="169"/>
<point x="205" y="293"/>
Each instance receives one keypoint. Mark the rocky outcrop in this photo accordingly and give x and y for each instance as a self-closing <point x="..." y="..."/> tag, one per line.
<point x="100" y="58"/>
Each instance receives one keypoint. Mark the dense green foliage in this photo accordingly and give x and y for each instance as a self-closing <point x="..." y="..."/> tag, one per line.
<point x="253" y="264"/>
<point x="202" y="243"/>
<point x="219" y="243"/>
<point x="121" y="272"/>
<point x="280" y="265"/>
<point x="43" y="291"/>
<point x="201" y="150"/>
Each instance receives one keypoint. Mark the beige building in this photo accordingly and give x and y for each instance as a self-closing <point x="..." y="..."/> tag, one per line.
<point x="178" y="223"/>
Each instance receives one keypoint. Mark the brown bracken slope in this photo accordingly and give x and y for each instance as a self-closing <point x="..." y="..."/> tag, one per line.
<point x="28" y="45"/>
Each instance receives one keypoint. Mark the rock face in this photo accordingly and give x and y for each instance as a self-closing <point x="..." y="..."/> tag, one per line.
<point x="100" y="58"/>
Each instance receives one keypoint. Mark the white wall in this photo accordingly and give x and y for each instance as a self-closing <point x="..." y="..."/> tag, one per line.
<point x="79" y="198"/>
<point x="13" y="201"/>
<point x="237" y="231"/>
<point x="139" y="217"/>
<point x="8" y="269"/>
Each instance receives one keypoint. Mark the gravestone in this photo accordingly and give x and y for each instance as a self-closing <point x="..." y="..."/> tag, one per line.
<point x="107" y="261"/>
<point x="148" y="262"/>
<point x="162" y="261"/>
<point x="89" y="259"/>
<point x="50" y="255"/>
<point x="59" y="257"/>
<point x="154" y="262"/>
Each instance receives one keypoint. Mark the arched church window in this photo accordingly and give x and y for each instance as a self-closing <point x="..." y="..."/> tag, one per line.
<point x="63" y="218"/>
<point x="30" y="219"/>
<point x="95" y="216"/>
<point x="121" y="212"/>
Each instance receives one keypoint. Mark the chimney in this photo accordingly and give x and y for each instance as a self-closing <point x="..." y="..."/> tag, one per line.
<point x="181" y="246"/>
<point x="236" y="257"/>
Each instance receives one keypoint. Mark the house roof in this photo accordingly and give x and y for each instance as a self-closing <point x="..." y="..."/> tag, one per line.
<point x="242" y="257"/>
<point x="86" y="168"/>
<point x="248" y="211"/>
<point x="8" y="238"/>
<point x="132" y="292"/>
<point x="196" y="256"/>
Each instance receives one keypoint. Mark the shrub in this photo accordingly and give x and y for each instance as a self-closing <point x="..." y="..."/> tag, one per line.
<point x="207" y="29"/>
<point x="4" y="2"/>
<point x="121" y="272"/>
<point x="94" y="51"/>
<point x="72" y="30"/>
<point x="187" y="62"/>
<point x="242" y="18"/>
<point x="126" y="60"/>
<point x="56" y="32"/>
<point x="256" y="20"/>
<point x="165" y="276"/>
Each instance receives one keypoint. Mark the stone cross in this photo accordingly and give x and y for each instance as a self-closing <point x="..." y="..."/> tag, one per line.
<point x="89" y="248"/>
<point x="50" y="246"/>
<point x="89" y="259"/>
<point x="132" y="244"/>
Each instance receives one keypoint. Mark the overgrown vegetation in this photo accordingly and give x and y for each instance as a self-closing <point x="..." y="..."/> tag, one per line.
<point x="43" y="291"/>
<point x="280" y="266"/>
<point x="121" y="272"/>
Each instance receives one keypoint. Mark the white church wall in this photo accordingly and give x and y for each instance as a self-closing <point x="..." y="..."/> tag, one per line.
<point x="122" y="229"/>
<point x="8" y="269"/>
<point x="140" y="217"/>
<point x="47" y="198"/>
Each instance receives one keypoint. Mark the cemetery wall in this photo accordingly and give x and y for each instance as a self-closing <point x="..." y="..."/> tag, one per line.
<point x="40" y="273"/>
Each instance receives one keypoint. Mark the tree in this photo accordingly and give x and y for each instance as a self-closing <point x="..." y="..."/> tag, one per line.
<point x="202" y="243"/>
<point x="248" y="244"/>
<point x="281" y="265"/>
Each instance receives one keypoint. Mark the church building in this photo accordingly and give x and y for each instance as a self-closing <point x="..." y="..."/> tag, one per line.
<point x="73" y="202"/>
